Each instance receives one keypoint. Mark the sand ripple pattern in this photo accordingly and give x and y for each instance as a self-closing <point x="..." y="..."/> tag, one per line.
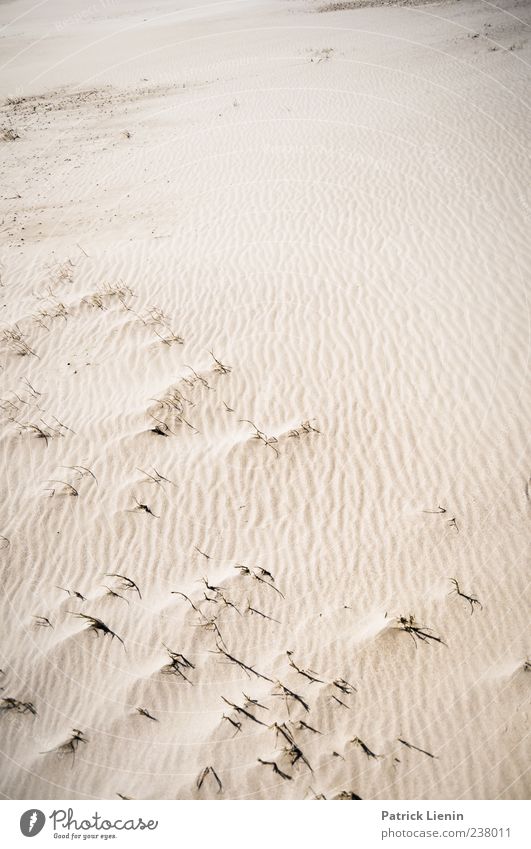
<point x="264" y="364"/>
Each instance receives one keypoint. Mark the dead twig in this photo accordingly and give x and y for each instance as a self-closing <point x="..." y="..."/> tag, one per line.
<point x="219" y="367"/>
<point x="177" y="664"/>
<point x="155" y="478"/>
<point x="268" y="441"/>
<point x="304" y="427"/>
<point x="471" y="599"/>
<point x="417" y="632"/>
<point x="47" y="432"/>
<point x="242" y="711"/>
<point x="370" y="754"/>
<point x="303" y="724"/>
<point x="114" y="594"/>
<point x="252" y="610"/>
<point x="69" y="489"/>
<point x="411" y="746"/>
<point x="250" y="701"/>
<point x="209" y="770"/>
<point x="69" y="746"/>
<point x="42" y="622"/>
<point x="143" y="508"/>
<point x="267" y="584"/>
<point x="306" y="673"/>
<point x="211" y="587"/>
<point x="227" y="603"/>
<point x="72" y="593"/>
<point x="344" y="686"/>
<point x="335" y="698"/>
<point x="14" y="339"/>
<point x="146" y="713"/>
<point x="246" y="668"/>
<point x="127" y="583"/>
<point x="9" y="703"/>
<point x="170" y="338"/>
<point x="82" y="471"/>
<point x="283" y="731"/>
<point x="189" y="600"/>
<point x="237" y="725"/>
<point x="198" y="378"/>
<point x="275" y="768"/>
<point x="211" y="625"/>
<point x="289" y="694"/>
<point x="160" y="428"/>
<point x="295" y="754"/>
<point x="98" y="626"/>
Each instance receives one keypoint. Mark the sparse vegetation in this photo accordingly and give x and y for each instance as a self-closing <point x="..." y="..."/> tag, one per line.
<point x="70" y="746"/>
<point x="417" y="632"/>
<point x="108" y="293"/>
<point x="8" y="134"/>
<point x="15" y="339"/>
<point x="8" y="703"/>
<point x="98" y="626"/>
<point x="469" y="598"/>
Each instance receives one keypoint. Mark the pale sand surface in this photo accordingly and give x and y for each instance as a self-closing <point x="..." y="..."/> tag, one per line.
<point x="336" y="205"/>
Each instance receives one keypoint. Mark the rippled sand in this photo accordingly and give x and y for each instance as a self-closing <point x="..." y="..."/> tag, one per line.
<point x="264" y="317"/>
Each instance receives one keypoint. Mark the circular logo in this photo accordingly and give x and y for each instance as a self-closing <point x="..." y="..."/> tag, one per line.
<point x="32" y="822"/>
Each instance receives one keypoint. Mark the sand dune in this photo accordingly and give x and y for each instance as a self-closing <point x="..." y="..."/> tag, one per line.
<point x="264" y="352"/>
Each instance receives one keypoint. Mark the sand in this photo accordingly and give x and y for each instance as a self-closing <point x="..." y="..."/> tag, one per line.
<point x="264" y="343"/>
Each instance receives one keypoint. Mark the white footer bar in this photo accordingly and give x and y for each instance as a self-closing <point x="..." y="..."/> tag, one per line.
<point x="257" y="825"/>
